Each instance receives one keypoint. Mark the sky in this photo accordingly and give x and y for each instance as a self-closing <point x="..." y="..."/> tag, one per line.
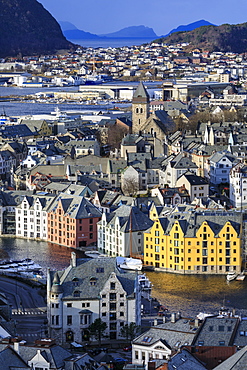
<point x="105" y="16"/>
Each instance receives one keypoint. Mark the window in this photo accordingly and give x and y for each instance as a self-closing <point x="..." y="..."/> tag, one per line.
<point x="69" y="320"/>
<point x="113" y="286"/>
<point x="113" y="296"/>
<point x="221" y="328"/>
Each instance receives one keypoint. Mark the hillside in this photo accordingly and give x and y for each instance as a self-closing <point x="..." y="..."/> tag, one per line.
<point x="27" y="28"/>
<point x="224" y="38"/>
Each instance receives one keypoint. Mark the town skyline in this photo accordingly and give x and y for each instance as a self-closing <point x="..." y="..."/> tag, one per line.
<point x="106" y="17"/>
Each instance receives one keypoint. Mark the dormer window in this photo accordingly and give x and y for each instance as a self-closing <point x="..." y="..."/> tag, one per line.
<point x="93" y="281"/>
<point x="75" y="281"/>
<point x="76" y="293"/>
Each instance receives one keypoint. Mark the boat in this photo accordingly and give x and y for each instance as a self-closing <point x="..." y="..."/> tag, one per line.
<point x="145" y="285"/>
<point x="240" y="276"/>
<point x="231" y="276"/>
<point x="129" y="263"/>
<point x="21" y="266"/>
<point x="94" y="254"/>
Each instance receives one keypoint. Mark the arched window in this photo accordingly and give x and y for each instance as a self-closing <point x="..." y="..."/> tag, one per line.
<point x="141" y="110"/>
<point x="137" y="110"/>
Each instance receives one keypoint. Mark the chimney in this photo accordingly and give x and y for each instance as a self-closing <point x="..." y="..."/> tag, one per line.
<point x="179" y="315"/>
<point x="196" y="323"/>
<point x="73" y="259"/>
<point x="155" y="322"/>
<point x="164" y="319"/>
<point x="16" y="346"/>
<point x="173" y="317"/>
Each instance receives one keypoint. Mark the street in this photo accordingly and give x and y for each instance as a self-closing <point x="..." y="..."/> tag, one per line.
<point x="28" y="308"/>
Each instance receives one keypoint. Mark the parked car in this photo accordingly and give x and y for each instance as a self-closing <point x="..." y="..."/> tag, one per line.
<point x="127" y="348"/>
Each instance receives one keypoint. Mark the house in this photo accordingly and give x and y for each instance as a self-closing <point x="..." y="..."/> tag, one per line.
<point x="221" y="164"/>
<point x="43" y="354"/>
<point x="72" y="221"/>
<point x="163" y="340"/>
<point x="176" y="165"/>
<point x="197" y="186"/>
<point x="39" y="128"/>
<point x="171" y="196"/>
<point x="120" y="233"/>
<point x="89" y="289"/>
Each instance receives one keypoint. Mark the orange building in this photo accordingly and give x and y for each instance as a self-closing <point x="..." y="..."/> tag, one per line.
<point x="72" y="221"/>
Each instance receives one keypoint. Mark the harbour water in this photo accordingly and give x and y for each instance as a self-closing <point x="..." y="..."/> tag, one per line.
<point x="112" y="42"/>
<point x="187" y="294"/>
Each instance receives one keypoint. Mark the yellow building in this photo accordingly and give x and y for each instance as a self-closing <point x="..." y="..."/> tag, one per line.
<point x="192" y="241"/>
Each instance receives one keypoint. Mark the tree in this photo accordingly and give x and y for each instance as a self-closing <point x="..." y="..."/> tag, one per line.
<point x="97" y="329"/>
<point x="130" y="186"/>
<point x="130" y="331"/>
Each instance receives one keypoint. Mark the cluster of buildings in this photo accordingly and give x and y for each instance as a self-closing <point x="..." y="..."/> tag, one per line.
<point x="150" y="61"/>
<point x="130" y="184"/>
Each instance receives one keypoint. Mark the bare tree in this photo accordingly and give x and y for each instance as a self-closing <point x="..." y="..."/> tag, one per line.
<point x="130" y="186"/>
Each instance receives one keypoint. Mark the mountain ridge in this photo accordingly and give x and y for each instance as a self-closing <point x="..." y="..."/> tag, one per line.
<point x="224" y="38"/>
<point x="27" y="28"/>
<point x="190" y="26"/>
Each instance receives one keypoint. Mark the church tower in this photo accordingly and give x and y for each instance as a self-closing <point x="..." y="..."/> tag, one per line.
<point x="140" y="108"/>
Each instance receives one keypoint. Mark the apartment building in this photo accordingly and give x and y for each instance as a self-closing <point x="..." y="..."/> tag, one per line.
<point x="72" y="221"/>
<point x="190" y="241"/>
<point x="91" y="289"/>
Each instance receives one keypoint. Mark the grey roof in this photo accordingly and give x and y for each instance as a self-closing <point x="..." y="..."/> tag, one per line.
<point x="216" y="331"/>
<point x="10" y="359"/>
<point x="184" y="360"/>
<point x="130" y="219"/>
<point x="99" y="268"/>
<point x="216" y="157"/>
<point x="75" y="206"/>
<point x="240" y="338"/>
<point x="182" y="162"/>
<point x="194" y="179"/>
<point x="237" y="361"/>
<point x="190" y="220"/>
<point x="174" y="334"/>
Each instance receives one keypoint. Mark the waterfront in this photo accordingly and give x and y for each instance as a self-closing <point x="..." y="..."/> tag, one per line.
<point x="189" y="294"/>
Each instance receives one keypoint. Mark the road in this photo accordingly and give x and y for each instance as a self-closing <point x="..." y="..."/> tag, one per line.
<point x="28" y="308"/>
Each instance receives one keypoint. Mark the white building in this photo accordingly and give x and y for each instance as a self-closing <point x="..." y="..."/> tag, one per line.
<point x="81" y="293"/>
<point x="238" y="185"/>
<point x="177" y="165"/>
<point x="120" y="233"/>
<point x="31" y="216"/>
<point x="220" y="166"/>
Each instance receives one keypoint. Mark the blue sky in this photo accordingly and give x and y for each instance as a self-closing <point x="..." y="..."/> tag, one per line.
<point x="105" y="16"/>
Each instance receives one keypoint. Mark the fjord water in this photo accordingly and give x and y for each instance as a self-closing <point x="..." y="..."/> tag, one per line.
<point x="187" y="294"/>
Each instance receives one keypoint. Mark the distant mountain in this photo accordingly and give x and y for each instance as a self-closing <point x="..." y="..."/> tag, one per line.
<point x="190" y="26"/>
<point x="27" y="28"/>
<point x="223" y="38"/>
<point x="65" y="26"/>
<point x="133" y="31"/>
<point x="71" y="32"/>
